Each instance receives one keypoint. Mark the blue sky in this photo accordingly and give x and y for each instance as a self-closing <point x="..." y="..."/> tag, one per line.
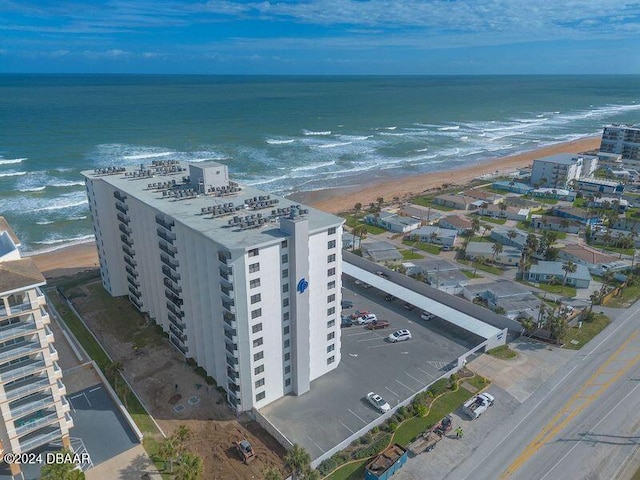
<point x="320" y="36"/>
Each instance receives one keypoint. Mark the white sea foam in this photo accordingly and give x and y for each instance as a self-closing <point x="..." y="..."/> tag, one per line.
<point x="313" y="167"/>
<point x="65" y="184"/>
<point x="321" y="133"/>
<point x="273" y="141"/>
<point x="333" y="145"/>
<point x="57" y="244"/>
<point x="452" y="127"/>
<point x="32" y="189"/>
<point x="61" y="206"/>
<point x="77" y="217"/>
<point x="11" y="161"/>
<point x="56" y="240"/>
<point x="141" y="156"/>
<point x="45" y="222"/>
<point x="12" y="174"/>
<point x="390" y="128"/>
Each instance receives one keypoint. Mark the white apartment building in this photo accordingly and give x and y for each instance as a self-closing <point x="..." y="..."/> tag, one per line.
<point x="33" y="405"/>
<point x="245" y="283"/>
<point x="557" y="171"/>
<point x="622" y="140"/>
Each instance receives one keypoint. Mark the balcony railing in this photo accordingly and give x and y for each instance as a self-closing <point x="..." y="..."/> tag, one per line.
<point x="126" y="241"/>
<point x="121" y="207"/>
<point x="131" y="271"/>
<point x="134" y="291"/>
<point x="229" y="306"/>
<point x="31" y="404"/>
<point x="130" y="262"/>
<point x="38" y="440"/>
<point x="27" y="387"/>
<point x="168" y="237"/>
<point x="176" y="300"/>
<point x="168" y="225"/>
<point x="176" y="322"/>
<point x="19" y="349"/>
<point x="120" y="196"/>
<point x="168" y="262"/>
<point x="167" y="249"/>
<point x="123" y="218"/>
<point x="178" y="344"/>
<point x="35" y="424"/>
<point x="167" y="272"/>
<point x="136" y="302"/>
<point x="19" y="370"/>
<point x="128" y="251"/>
<point x="178" y="333"/>
<point x="18" y="329"/>
<point x="133" y="281"/>
<point x="124" y="229"/>
<point x="175" y="310"/>
<point x="224" y="257"/>
<point x="176" y="290"/>
<point x="21" y="307"/>
<point x="229" y="319"/>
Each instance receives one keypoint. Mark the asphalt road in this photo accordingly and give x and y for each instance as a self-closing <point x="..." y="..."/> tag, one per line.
<point x="582" y="423"/>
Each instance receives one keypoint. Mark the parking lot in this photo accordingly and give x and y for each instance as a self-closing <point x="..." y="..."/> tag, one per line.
<point x="335" y="408"/>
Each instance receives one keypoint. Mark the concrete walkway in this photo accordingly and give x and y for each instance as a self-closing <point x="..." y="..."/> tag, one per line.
<point x="133" y="464"/>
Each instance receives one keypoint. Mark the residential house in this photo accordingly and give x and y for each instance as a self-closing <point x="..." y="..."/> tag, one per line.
<point x="596" y="261"/>
<point x="348" y="240"/>
<point x="458" y="202"/>
<point x="552" y="272"/>
<point x="381" y="251"/>
<point x="627" y="224"/>
<point x="484" y="250"/>
<point x="436" y="235"/>
<point x="612" y="236"/>
<point x="487" y="197"/>
<point x="392" y="222"/>
<point x="510" y="213"/>
<point x="515" y="299"/>
<point x="516" y="201"/>
<point x="455" y="222"/>
<point x="599" y="185"/>
<point x="547" y="222"/>
<point x="578" y="214"/>
<point x="555" y="194"/>
<point x="511" y="186"/>
<point x="608" y="203"/>
<point x="511" y="237"/>
<point x="426" y="215"/>
<point x="441" y="274"/>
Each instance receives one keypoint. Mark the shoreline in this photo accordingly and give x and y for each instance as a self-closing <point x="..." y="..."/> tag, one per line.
<point x="84" y="256"/>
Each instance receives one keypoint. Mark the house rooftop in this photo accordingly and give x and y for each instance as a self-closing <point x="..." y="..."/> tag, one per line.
<point x="559" y="158"/>
<point x="588" y="254"/>
<point x="458" y="221"/>
<point x="18" y="275"/>
<point x="501" y="289"/>
<point x="433" y="265"/>
<point x="555" y="268"/>
<point x="440" y="232"/>
<point x="5" y="227"/>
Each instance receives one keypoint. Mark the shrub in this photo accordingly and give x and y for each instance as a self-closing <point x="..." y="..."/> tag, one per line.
<point x="421" y="410"/>
<point x="327" y="466"/>
<point x="391" y="427"/>
<point x="438" y="387"/>
<point x="375" y="430"/>
<point x="403" y="413"/>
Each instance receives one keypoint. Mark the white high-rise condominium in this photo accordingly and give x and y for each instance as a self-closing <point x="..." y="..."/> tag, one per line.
<point x="34" y="409"/>
<point x="622" y="140"/>
<point x="245" y="283"/>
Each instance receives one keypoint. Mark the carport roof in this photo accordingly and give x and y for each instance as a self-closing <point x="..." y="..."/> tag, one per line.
<point x="452" y="309"/>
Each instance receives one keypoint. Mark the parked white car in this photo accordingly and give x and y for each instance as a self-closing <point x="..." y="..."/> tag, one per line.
<point x="427" y="315"/>
<point x="363" y="320"/>
<point x="400" y="335"/>
<point x="378" y="402"/>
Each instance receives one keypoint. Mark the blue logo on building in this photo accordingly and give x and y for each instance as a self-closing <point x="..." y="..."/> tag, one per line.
<point x="302" y="285"/>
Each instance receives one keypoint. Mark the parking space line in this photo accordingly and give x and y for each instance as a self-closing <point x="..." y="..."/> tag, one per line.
<point x="419" y="381"/>
<point x="319" y="447"/>
<point x="357" y="416"/>
<point x="94" y="389"/>
<point x="426" y="373"/>
<point x="346" y="427"/>
<point x="410" y="389"/>
<point x="379" y="346"/>
<point x="374" y="339"/>
<point x="392" y="392"/>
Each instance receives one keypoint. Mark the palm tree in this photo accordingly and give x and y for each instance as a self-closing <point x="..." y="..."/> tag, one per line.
<point x="475" y="225"/>
<point x="61" y="471"/>
<point x="271" y="473"/>
<point x="433" y="237"/>
<point x="486" y="228"/>
<point x="476" y="262"/>
<point x="298" y="461"/>
<point x="189" y="467"/>
<point x="380" y="201"/>
<point x="568" y="267"/>
<point x="503" y="209"/>
<point x="497" y="249"/>
<point x="557" y="327"/>
<point x="181" y="435"/>
<point x="512" y="234"/>
<point x="112" y="371"/>
<point x="356" y="209"/>
<point x="564" y="223"/>
<point x="359" y="231"/>
<point x="167" y="451"/>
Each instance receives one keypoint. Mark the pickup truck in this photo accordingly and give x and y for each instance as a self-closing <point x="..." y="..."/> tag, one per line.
<point x="477" y="405"/>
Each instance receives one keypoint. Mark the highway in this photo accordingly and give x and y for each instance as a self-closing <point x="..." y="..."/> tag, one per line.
<point x="582" y="423"/>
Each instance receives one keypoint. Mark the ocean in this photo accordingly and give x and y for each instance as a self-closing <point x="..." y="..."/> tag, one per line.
<point x="281" y="134"/>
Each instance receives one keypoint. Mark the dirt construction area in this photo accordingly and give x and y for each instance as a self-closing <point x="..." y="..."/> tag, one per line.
<point x="172" y="390"/>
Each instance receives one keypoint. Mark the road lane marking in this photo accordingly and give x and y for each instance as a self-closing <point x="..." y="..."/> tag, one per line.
<point x="631" y="315"/>
<point x="410" y="389"/>
<point x="560" y="382"/>
<point x="592" y="428"/>
<point x="357" y="416"/>
<point x="346" y="427"/>
<point x="419" y="381"/>
<point x="569" y="411"/>
<point x="392" y="392"/>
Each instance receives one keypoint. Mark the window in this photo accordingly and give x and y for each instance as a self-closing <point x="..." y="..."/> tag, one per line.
<point x="331" y="336"/>
<point x="331" y="258"/>
<point x="256" y="328"/>
<point x="285" y="330"/>
<point x="331" y="272"/>
<point x="331" y="285"/>
<point x="331" y="311"/>
<point x="331" y="348"/>
<point x="258" y="370"/>
<point x="331" y="323"/>
<point x="259" y="383"/>
<point x="285" y="273"/>
<point x="253" y="252"/>
<point x="255" y="298"/>
<point x="285" y="258"/>
<point x="330" y="360"/>
<point x="287" y="343"/>
<point x="258" y="356"/>
<point x="254" y="267"/>
<point x="285" y="316"/>
<point x="287" y="369"/>
<point x="285" y="288"/>
<point x="287" y="382"/>
<point x="254" y="283"/>
<point x="256" y="313"/>
<point x="331" y="244"/>
<point x="331" y="298"/>
<point x="331" y="231"/>
<point x="284" y="244"/>
<point x="257" y="342"/>
<point x="287" y="357"/>
<point x="260" y="396"/>
<point x="285" y="302"/>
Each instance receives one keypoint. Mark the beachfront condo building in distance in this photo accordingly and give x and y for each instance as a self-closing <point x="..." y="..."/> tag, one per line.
<point x="34" y="409"/>
<point x="245" y="283"/>
<point x="558" y="171"/>
<point x="622" y="140"/>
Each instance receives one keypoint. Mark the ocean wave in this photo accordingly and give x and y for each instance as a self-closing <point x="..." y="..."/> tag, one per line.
<point x="57" y="244"/>
<point x="61" y="206"/>
<point x="333" y="145"/>
<point x="141" y="156"/>
<point x="390" y="128"/>
<point x="320" y="133"/>
<point x="54" y="241"/>
<point x="452" y="127"/>
<point x="313" y="167"/>
<point x="78" y="217"/>
<point x="12" y="174"/>
<point x="273" y="141"/>
<point x="65" y="184"/>
<point x="44" y="222"/>
<point x="32" y="189"/>
<point x="11" y="161"/>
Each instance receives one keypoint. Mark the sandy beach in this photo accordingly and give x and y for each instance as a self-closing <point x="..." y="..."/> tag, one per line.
<point x="75" y="258"/>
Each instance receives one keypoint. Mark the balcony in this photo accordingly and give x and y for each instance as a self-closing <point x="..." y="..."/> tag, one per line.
<point x="229" y="319"/>
<point x="172" y="287"/>
<point x="232" y="363"/>
<point x="122" y="207"/>
<point x="231" y="347"/>
<point x="19" y="370"/>
<point x="38" y="439"/>
<point x="44" y="318"/>
<point x="178" y="333"/>
<point x="126" y="241"/>
<point x="167" y="237"/>
<point x="231" y="335"/>
<point x="62" y="390"/>
<point x="168" y="225"/>
<point x="31" y="404"/>
<point x="128" y="251"/>
<point x="42" y="300"/>
<point x="173" y="264"/>
<point x="227" y="292"/>
<point x="179" y="345"/>
<point x="176" y="322"/>
<point x="133" y="281"/>
<point x="176" y="311"/>
<point x="18" y="329"/>
<point x="28" y="425"/>
<point x="232" y="374"/>
<point x="53" y="353"/>
<point x="176" y="300"/>
<point x="169" y="250"/>
<point x="124" y="229"/>
<point x="136" y="302"/>
<point x="48" y="334"/>
<point x="19" y="349"/>
<point x="134" y="292"/>
<point x="123" y="218"/>
<point x="227" y="274"/>
<point x="120" y="196"/>
<point x="130" y="262"/>
<point x="229" y="306"/>
<point x="131" y="271"/>
<point x="224" y="257"/>
<point x="16" y="308"/>
<point x="26" y="387"/>
<point x="167" y="272"/>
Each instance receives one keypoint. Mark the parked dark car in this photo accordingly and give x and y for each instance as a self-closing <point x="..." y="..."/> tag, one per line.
<point x="346" y="322"/>
<point x="382" y="274"/>
<point x="390" y="298"/>
<point x="408" y="306"/>
<point x="346" y="304"/>
<point x="376" y="325"/>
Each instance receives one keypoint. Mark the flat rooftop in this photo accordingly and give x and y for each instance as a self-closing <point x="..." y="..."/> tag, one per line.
<point x="188" y="210"/>
<point x="19" y="274"/>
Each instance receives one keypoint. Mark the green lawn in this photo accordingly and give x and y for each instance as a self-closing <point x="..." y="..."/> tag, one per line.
<point x="352" y="222"/>
<point x="503" y="351"/>
<point x="630" y="294"/>
<point x="498" y="221"/>
<point x="427" y="247"/>
<point x="353" y="471"/>
<point x="548" y="201"/>
<point x="479" y="266"/>
<point x="409" y="255"/>
<point x="624" y="251"/>
<point x="428" y="202"/>
<point x="470" y="274"/>
<point x="587" y="332"/>
<point x="564" y="290"/>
